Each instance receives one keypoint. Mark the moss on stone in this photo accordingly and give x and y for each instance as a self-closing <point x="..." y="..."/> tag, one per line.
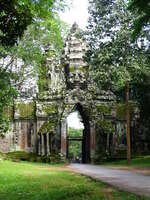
<point x="26" y="110"/>
<point x="105" y="109"/>
<point x="72" y="69"/>
<point x="80" y="68"/>
<point x="83" y="69"/>
<point x="50" y="108"/>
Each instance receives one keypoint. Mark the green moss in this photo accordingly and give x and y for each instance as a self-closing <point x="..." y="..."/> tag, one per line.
<point x="26" y="110"/>
<point x="72" y="69"/>
<point x="106" y="125"/>
<point x="83" y="69"/>
<point x="50" y="108"/>
<point x="121" y="110"/>
<point x="49" y="126"/>
<point x="105" y="109"/>
<point x="80" y="68"/>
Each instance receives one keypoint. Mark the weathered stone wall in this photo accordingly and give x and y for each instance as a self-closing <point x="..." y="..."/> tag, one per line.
<point x="24" y="134"/>
<point x="6" y="144"/>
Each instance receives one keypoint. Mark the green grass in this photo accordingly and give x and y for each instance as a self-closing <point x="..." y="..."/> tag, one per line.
<point x="140" y="162"/>
<point x="36" y="181"/>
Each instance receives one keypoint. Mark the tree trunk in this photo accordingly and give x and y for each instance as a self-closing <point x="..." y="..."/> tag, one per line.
<point x="128" y="124"/>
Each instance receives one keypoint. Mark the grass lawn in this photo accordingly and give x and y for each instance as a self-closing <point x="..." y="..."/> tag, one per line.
<point x="140" y="162"/>
<point x="33" y="181"/>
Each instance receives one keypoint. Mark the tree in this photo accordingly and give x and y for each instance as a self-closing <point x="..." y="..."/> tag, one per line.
<point x="115" y="59"/>
<point x="112" y="55"/>
<point x="141" y="11"/>
<point x="14" y="18"/>
<point x="16" y="15"/>
<point x="109" y="43"/>
<point x="75" y="147"/>
<point x="41" y="42"/>
<point x="25" y="27"/>
<point x="73" y="132"/>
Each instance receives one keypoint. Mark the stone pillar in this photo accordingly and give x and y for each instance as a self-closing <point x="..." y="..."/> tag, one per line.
<point x="34" y="141"/>
<point x="39" y="144"/>
<point x="21" y="126"/>
<point x="42" y="145"/>
<point x="107" y="144"/>
<point x="48" y="145"/>
<point x="63" y="137"/>
<point x="92" y="140"/>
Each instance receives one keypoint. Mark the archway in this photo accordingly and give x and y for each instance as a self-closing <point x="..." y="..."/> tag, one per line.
<point x="74" y="137"/>
<point x="81" y="139"/>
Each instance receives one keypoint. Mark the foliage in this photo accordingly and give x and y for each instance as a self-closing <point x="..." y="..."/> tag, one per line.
<point x="7" y="93"/>
<point x="140" y="92"/>
<point x="49" y="126"/>
<point x="15" y="16"/>
<point x="41" y="48"/>
<point x="141" y="10"/>
<point x="8" y="112"/>
<point x="73" y="132"/>
<point x="75" y="151"/>
<point x="139" y="162"/>
<point x="107" y="32"/>
<point x="44" y="181"/>
<point x="75" y="147"/>
<point x="106" y="125"/>
<point x="113" y="56"/>
<point x="26" y="27"/>
<point x="121" y="110"/>
<point x="105" y="109"/>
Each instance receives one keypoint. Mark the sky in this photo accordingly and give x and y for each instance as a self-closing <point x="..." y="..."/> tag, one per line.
<point x="74" y="121"/>
<point x="78" y="13"/>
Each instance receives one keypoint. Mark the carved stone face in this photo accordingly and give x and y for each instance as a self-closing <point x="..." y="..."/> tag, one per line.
<point x="75" y="68"/>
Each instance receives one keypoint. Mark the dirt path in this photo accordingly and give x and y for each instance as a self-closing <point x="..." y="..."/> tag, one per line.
<point x="131" y="181"/>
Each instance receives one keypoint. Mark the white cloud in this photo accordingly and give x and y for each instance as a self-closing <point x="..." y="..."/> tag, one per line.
<point x="78" y="13"/>
<point x="74" y="121"/>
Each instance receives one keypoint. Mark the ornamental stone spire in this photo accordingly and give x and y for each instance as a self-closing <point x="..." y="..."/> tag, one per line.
<point x="75" y="67"/>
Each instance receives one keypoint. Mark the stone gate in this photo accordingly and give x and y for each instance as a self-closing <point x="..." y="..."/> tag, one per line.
<point x="71" y="88"/>
<point x="41" y="126"/>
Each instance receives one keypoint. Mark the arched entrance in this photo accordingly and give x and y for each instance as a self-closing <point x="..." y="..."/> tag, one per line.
<point x="84" y="139"/>
<point x="74" y="137"/>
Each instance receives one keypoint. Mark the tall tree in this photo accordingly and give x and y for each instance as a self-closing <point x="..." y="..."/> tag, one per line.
<point x="113" y="56"/>
<point x="109" y="42"/>
<point x="37" y="19"/>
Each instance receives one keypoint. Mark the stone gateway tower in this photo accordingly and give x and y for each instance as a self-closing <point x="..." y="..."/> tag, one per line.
<point x="41" y="126"/>
<point x="74" y="90"/>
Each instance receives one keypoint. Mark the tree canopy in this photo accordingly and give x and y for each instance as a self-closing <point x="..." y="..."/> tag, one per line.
<point x="141" y="11"/>
<point x="113" y="56"/>
<point x="26" y="27"/>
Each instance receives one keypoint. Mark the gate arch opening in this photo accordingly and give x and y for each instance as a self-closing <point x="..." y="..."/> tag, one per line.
<point x="83" y="138"/>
